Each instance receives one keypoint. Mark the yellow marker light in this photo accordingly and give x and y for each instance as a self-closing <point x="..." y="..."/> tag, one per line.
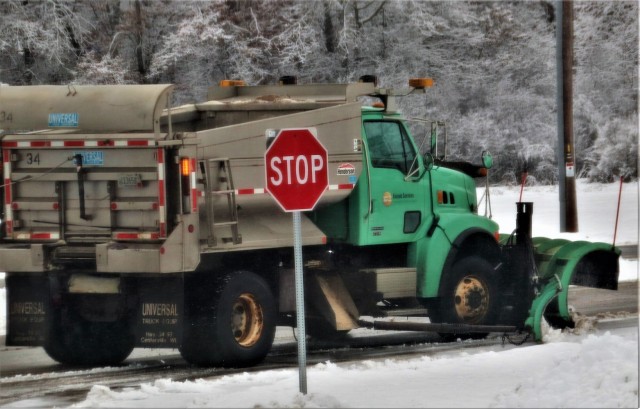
<point x="421" y="82"/>
<point x="185" y="166"/>
<point x="232" y="83"/>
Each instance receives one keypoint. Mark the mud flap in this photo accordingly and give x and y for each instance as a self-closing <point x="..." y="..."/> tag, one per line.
<point x="330" y="297"/>
<point x="160" y="313"/>
<point x="27" y="310"/>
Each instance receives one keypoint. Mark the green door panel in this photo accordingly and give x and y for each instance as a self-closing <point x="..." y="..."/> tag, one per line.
<point x="395" y="209"/>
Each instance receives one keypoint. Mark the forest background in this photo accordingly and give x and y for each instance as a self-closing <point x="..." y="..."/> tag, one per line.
<point x="493" y="62"/>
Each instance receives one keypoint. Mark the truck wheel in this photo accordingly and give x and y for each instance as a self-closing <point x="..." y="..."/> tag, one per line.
<point x="73" y="340"/>
<point x="232" y="323"/>
<point x="469" y="295"/>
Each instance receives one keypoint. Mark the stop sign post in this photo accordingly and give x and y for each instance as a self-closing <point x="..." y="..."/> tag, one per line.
<point x="297" y="175"/>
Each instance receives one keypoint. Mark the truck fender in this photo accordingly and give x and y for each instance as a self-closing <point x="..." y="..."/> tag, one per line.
<point x="437" y="254"/>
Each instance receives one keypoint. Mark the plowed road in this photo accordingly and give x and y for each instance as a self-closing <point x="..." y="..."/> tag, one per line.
<point x="29" y="373"/>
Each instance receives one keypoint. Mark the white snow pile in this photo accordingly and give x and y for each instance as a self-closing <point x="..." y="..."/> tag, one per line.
<point x="591" y="371"/>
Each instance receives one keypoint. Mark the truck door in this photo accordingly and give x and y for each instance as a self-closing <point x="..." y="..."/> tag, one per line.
<point x="397" y="195"/>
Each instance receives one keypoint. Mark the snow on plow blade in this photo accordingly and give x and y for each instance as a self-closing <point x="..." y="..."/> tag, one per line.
<point x="561" y="263"/>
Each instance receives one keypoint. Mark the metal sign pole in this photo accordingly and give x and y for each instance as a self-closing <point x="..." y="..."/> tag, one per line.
<point x="302" y="338"/>
<point x="294" y="150"/>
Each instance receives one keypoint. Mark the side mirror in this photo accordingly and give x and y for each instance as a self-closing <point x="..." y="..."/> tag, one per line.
<point x="487" y="159"/>
<point x="428" y="161"/>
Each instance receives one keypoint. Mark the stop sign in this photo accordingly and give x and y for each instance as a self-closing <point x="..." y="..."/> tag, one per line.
<point x="296" y="169"/>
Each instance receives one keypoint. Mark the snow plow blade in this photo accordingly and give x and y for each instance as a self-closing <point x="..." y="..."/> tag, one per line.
<point x="561" y="263"/>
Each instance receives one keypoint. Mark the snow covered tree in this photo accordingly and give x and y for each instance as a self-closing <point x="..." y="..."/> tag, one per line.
<point x="607" y="89"/>
<point x="40" y="41"/>
<point x="493" y="62"/>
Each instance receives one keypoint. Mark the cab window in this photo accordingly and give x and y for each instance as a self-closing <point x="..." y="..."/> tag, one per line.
<point x="389" y="145"/>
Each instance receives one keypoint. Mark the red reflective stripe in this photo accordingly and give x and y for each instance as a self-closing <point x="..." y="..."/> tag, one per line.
<point x="161" y="182"/>
<point x="6" y="167"/>
<point x="161" y="192"/>
<point x="37" y="236"/>
<point x="138" y="143"/>
<point x="193" y="173"/>
<point x="126" y="236"/>
<point x="257" y="191"/>
<point x="73" y="143"/>
<point x="7" y="191"/>
<point x="194" y="190"/>
<point x="137" y="236"/>
<point x="40" y="236"/>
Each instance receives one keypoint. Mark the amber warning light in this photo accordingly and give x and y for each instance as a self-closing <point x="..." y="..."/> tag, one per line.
<point x="185" y="168"/>
<point x="421" y="82"/>
<point x="185" y="173"/>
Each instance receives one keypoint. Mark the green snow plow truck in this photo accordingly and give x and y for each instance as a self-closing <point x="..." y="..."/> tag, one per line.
<point x="128" y="222"/>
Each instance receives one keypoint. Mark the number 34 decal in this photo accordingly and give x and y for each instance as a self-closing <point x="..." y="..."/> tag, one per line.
<point x="6" y="116"/>
<point x="33" y="159"/>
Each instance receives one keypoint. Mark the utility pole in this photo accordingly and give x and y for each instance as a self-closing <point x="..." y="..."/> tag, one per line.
<point x="566" y="154"/>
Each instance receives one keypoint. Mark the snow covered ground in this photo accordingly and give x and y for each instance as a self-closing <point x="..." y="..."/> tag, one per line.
<point x="596" y="203"/>
<point x="595" y="368"/>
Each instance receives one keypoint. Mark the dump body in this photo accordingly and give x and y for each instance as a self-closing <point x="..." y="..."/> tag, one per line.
<point x="129" y="171"/>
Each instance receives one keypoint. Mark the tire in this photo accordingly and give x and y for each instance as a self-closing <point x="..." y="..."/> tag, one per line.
<point x="229" y="322"/>
<point x="72" y="340"/>
<point x="469" y="294"/>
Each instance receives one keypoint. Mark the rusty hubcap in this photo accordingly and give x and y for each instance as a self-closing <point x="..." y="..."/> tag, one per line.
<point x="247" y="320"/>
<point x="471" y="299"/>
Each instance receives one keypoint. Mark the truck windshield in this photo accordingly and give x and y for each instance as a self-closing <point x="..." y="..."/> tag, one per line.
<point x="389" y="145"/>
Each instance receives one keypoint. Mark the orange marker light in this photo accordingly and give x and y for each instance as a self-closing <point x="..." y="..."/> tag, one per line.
<point x="421" y="82"/>
<point x="185" y="166"/>
<point x="231" y="83"/>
